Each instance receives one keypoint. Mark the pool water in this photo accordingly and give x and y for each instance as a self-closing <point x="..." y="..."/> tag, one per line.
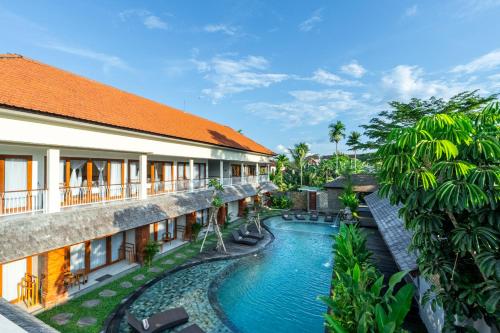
<point x="276" y="291"/>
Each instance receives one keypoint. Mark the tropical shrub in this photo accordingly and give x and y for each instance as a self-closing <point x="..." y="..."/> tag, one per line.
<point x="444" y="170"/>
<point x="150" y="250"/>
<point x="350" y="200"/>
<point x="195" y="230"/>
<point x="280" y="202"/>
<point x="360" y="302"/>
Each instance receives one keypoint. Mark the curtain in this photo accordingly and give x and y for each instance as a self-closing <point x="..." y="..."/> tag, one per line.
<point x="77" y="257"/>
<point x="158" y="176"/>
<point x="134" y="177"/>
<point x="116" y="244"/>
<point x="100" y="165"/>
<point x="12" y="273"/>
<point x="76" y="178"/>
<point x="171" y="227"/>
<point x="152" y="231"/>
<point x="62" y="173"/>
<point x="161" y="230"/>
<point x="116" y="178"/>
<point x="16" y="171"/>
<point x="97" y="252"/>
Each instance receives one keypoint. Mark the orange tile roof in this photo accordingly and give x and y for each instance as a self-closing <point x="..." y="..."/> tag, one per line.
<point x="28" y="84"/>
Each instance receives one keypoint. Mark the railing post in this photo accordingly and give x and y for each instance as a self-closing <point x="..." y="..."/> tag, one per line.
<point x="221" y="172"/>
<point x="53" y="203"/>
<point x="257" y="173"/>
<point x="191" y="175"/>
<point x="143" y="176"/>
<point x="174" y="177"/>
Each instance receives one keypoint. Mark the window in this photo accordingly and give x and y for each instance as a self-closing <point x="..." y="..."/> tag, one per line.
<point x="133" y="172"/>
<point x="77" y="257"/>
<point x="97" y="253"/>
<point x="15" y="182"/>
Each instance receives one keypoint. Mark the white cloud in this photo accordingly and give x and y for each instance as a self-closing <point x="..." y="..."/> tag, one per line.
<point x="308" y="107"/>
<point x="353" y="69"/>
<point x="149" y="20"/>
<point x="330" y="79"/>
<point x="411" y="11"/>
<point x="282" y="149"/>
<point x="485" y="62"/>
<point x="223" y="28"/>
<point x="312" y="21"/>
<point x="108" y="61"/>
<point x="231" y="76"/>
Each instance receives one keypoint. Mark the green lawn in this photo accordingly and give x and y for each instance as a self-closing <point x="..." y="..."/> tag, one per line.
<point x="107" y="305"/>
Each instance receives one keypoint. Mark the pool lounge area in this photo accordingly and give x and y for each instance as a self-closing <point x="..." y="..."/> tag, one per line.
<point x="278" y="284"/>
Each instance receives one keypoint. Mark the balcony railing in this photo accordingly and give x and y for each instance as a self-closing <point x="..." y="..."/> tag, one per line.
<point x="83" y="195"/>
<point x="19" y="202"/>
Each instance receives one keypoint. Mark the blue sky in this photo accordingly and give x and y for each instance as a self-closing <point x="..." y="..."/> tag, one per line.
<point x="280" y="71"/>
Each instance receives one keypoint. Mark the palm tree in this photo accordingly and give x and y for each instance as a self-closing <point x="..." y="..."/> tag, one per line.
<point x="299" y="153"/>
<point x="353" y="142"/>
<point x="281" y="162"/>
<point x="336" y="134"/>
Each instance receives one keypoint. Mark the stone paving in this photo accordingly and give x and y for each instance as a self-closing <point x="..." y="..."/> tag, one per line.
<point x="139" y="277"/>
<point x="91" y="303"/>
<point x="86" y="321"/>
<point x="154" y="269"/>
<point x="62" y="318"/>
<point x="107" y="293"/>
<point x="169" y="262"/>
<point x="189" y="288"/>
<point x="126" y="284"/>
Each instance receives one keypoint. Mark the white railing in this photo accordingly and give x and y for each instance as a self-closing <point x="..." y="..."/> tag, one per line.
<point x="263" y="178"/>
<point x="82" y="195"/>
<point x="19" y="202"/>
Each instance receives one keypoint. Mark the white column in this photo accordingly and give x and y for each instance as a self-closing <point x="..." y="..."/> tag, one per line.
<point x="242" y="173"/>
<point x="221" y="172"/>
<point x="53" y="192"/>
<point x="191" y="174"/>
<point x="257" y="173"/>
<point x="174" y="176"/>
<point x="143" y="176"/>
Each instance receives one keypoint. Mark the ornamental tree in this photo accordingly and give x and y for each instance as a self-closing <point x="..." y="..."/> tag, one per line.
<point x="445" y="172"/>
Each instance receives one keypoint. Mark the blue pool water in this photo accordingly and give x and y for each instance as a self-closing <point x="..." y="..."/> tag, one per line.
<point x="276" y="290"/>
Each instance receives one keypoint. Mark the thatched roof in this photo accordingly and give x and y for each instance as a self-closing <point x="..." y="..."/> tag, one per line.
<point x="361" y="183"/>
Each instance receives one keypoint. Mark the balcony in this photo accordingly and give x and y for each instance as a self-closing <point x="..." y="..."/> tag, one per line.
<point x="35" y="201"/>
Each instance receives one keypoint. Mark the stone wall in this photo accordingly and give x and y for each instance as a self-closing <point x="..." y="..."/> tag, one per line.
<point x="322" y="201"/>
<point x="334" y="204"/>
<point x="299" y="200"/>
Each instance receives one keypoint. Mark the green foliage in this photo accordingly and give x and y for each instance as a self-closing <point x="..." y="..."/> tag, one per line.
<point x="360" y="302"/>
<point x="280" y="201"/>
<point x="350" y="200"/>
<point x="151" y="249"/>
<point x="444" y="169"/>
<point x="336" y="133"/>
<point x="299" y="153"/>
<point x="406" y="115"/>
<point x="195" y="229"/>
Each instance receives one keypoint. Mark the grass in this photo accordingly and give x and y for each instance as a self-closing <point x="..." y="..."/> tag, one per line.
<point x="107" y="305"/>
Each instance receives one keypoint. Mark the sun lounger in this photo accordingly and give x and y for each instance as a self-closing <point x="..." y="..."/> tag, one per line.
<point x="192" y="329"/>
<point x="287" y="217"/>
<point x="237" y="238"/>
<point x="314" y="216"/>
<point x="329" y="218"/>
<point x="245" y="233"/>
<point x="159" y="321"/>
<point x="300" y="217"/>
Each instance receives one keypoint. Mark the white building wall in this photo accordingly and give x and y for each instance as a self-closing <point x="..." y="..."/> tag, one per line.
<point x="55" y="132"/>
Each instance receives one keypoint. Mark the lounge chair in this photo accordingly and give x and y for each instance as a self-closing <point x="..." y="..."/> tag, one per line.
<point x="159" y="321"/>
<point x="287" y="217"/>
<point x="245" y="233"/>
<point x="300" y="217"/>
<point x="237" y="238"/>
<point x="314" y="216"/>
<point x="329" y="218"/>
<point x="192" y="329"/>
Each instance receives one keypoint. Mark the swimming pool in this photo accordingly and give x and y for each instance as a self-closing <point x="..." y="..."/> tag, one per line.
<point x="276" y="291"/>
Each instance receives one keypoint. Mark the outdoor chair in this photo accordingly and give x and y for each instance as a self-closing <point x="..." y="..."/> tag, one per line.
<point x="158" y="322"/>
<point x="246" y="233"/>
<point x="287" y="217"/>
<point x="192" y="329"/>
<point x="329" y="218"/>
<point x="313" y="216"/>
<point x="300" y="217"/>
<point x="237" y="238"/>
